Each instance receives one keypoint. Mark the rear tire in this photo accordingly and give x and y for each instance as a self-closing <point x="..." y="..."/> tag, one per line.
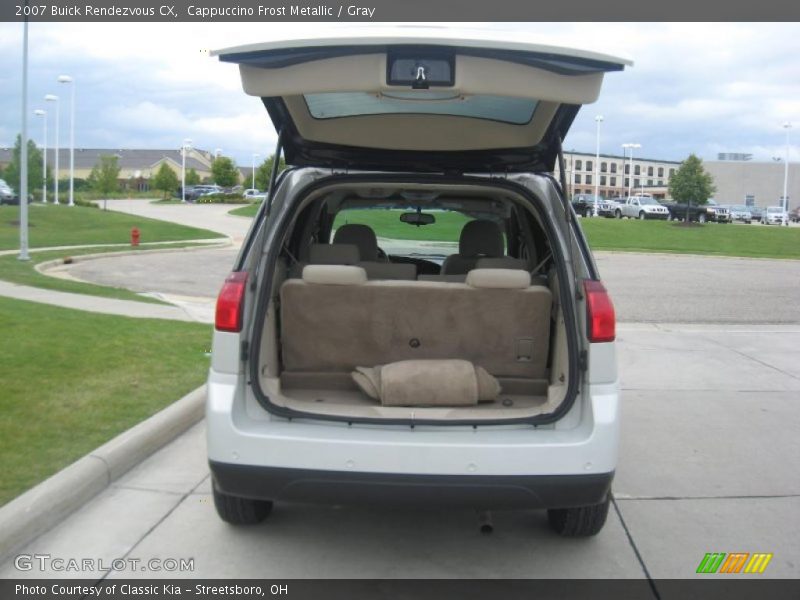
<point x="588" y="213"/>
<point x="701" y="218"/>
<point x="583" y="521"/>
<point x="240" y="511"/>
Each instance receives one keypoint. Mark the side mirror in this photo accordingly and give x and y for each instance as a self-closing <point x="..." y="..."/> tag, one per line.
<point x="418" y="218"/>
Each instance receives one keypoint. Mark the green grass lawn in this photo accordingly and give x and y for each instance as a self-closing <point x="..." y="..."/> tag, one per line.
<point x="72" y="380"/>
<point x="758" y="241"/>
<point x="24" y="273"/>
<point x="753" y="240"/>
<point x="245" y="211"/>
<point x="51" y="225"/>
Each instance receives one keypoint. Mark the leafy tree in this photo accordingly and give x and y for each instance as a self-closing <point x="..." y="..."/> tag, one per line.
<point x="192" y="178"/>
<point x="165" y="180"/>
<point x="224" y="172"/>
<point x="264" y="171"/>
<point x="691" y="184"/>
<point x="104" y="177"/>
<point x="12" y="171"/>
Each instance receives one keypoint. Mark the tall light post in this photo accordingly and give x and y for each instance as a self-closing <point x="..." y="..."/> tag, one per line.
<point x="52" y="98"/>
<point x="255" y="156"/>
<point x="598" y="119"/>
<point x="69" y="80"/>
<point x="23" y="153"/>
<point x="43" y="113"/>
<point x="187" y="144"/>
<point x="630" y="146"/>
<point x="787" y="126"/>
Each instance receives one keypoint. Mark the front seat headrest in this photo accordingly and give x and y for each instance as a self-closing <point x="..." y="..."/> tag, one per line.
<point x="481" y="238"/>
<point x="361" y="236"/>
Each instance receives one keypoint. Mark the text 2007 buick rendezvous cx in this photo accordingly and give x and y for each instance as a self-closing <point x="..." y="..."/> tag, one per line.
<point x="349" y="366"/>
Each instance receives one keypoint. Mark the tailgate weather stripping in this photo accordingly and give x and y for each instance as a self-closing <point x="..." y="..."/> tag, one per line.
<point x="276" y="162"/>
<point x="283" y="221"/>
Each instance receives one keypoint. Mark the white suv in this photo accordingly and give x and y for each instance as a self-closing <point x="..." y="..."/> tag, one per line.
<point x="479" y="374"/>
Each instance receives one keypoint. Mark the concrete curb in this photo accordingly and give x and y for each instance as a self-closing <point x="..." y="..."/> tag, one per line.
<point x="47" y="265"/>
<point x="39" y="509"/>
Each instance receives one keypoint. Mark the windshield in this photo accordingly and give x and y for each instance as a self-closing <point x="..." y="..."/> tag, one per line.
<point x="435" y="241"/>
<point x="775" y="209"/>
<point x="648" y="201"/>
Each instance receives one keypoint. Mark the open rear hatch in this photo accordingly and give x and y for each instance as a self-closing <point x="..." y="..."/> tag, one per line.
<point x="422" y="107"/>
<point x="421" y="104"/>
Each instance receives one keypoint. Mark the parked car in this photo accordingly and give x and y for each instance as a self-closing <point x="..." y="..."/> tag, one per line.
<point x="338" y="375"/>
<point x="641" y="207"/>
<point x="774" y="215"/>
<point x="756" y="213"/>
<point x="740" y="212"/>
<point x="584" y="205"/>
<point x="7" y="195"/>
<point x="702" y="213"/>
<point x="794" y="215"/>
<point x="254" y="195"/>
<point x="194" y="192"/>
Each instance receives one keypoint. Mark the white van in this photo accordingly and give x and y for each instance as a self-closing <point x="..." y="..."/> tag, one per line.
<point x="415" y="316"/>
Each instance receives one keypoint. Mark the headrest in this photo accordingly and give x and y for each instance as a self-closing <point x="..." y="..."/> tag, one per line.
<point x="507" y="279"/>
<point x="481" y="238"/>
<point x="361" y="236"/>
<point x="333" y="254"/>
<point x="505" y="262"/>
<point x="334" y="275"/>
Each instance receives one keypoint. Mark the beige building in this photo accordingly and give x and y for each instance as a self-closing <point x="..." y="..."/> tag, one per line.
<point x="753" y="183"/>
<point x="137" y="166"/>
<point x="614" y="177"/>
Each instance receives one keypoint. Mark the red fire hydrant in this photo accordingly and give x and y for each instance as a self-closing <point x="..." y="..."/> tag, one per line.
<point x="135" y="236"/>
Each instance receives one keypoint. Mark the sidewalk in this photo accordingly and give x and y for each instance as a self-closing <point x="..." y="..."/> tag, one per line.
<point x="108" y="306"/>
<point x="708" y="462"/>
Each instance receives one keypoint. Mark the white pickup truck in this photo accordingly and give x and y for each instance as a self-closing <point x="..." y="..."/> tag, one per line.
<point x="641" y="207"/>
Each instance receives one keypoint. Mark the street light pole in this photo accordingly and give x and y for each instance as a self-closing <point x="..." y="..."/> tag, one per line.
<point x="43" y="113"/>
<point x="786" y="126"/>
<point x="71" y="81"/>
<point x="255" y="156"/>
<point x="186" y="143"/>
<point x="23" y="157"/>
<point x="598" y="119"/>
<point x="52" y="98"/>
<point x="631" y="146"/>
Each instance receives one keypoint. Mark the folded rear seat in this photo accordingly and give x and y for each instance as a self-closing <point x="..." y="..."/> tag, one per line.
<point x="334" y="319"/>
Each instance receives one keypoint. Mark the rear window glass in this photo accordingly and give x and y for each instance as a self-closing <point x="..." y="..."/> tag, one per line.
<point x="398" y="238"/>
<point x="517" y="111"/>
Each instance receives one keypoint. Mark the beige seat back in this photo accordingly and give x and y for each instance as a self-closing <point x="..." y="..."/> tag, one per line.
<point x="334" y="320"/>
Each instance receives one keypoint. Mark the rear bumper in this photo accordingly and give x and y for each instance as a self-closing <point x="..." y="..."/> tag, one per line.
<point x="460" y="491"/>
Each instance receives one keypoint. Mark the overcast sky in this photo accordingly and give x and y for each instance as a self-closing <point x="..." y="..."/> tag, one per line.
<point x="702" y="88"/>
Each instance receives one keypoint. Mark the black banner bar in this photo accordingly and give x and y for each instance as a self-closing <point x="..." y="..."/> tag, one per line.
<point x="396" y="10"/>
<point x="729" y="588"/>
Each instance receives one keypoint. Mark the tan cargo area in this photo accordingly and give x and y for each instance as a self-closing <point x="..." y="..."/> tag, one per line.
<point x="333" y="312"/>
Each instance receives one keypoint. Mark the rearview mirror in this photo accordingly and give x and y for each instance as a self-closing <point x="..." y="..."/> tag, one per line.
<point x="418" y="218"/>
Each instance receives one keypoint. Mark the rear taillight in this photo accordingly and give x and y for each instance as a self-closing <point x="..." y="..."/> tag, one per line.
<point x="230" y="303"/>
<point x="600" y="318"/>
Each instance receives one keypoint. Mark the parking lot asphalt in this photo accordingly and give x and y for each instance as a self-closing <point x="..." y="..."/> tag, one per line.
<point x="708" y="463"/>
<point x="655" y="288"/>
<point x="646" y="288"/>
